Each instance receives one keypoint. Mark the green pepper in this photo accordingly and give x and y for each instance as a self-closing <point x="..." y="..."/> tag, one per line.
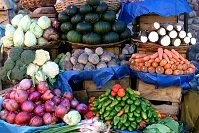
<point x="143" y="106"/>
<point x="107" y="103"/>
<point x="130" y="114"/>
<point x="102" y="109"/>
<point x="122" y="103"/>
<point x="132" y="108"/>
<point x="119" y="125"/>
<point x="134" y="125"/>
<point x="118" y="108"/>
<point x="113" y="113"/>
<point x="99" y="106"/>
<point x="114" y="103"/>
<point x="127" y="123"/>
<point x="126" y="108"/>
<point x="130" y="129"/>
<point x="109" y="108"/>
<point x="123" y="128"/>
<point x="116" y="120"/>
<point x="129" y="101"/>
<point x="144" y="116"/>
<point x="125" y="97"/>
<point x="111" y="98"/>
<point x="107" y="114"/>
<point x="137" y="102"/>
<point x="138" y="119"/>
<point x="131" y="119"/>
<point x="136" y="114"/>
<point x="107" y="93"/>
<point x="118" y="98"/>
<point x="124" y="118"/>
<point x="103" y="99"/>
<point x="138" y="110"/>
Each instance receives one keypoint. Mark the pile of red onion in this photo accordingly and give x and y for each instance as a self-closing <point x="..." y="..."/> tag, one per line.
<point x="36" y="106"/>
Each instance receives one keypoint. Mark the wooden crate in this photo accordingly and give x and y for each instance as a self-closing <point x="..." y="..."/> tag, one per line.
<point x="146" y="21"/>
<point x="171" y="95"/>
<point x="92" y="89"/>
<point x="6" y="16"/>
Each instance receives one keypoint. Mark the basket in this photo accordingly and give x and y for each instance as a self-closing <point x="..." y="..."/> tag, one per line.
<point x="32" y="4"/>
<point x="112" y="4"/>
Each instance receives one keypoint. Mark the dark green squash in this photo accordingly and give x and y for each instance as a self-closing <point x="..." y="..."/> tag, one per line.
<point x="62" y="17"/>
<point x="92" y="17"/>
<point x="76" y="19"/>
<point x="66" y="27"/>
<point x="102" y="8"/>
<point x="64" y="36"/>
<point x="84" y="27"/>
<point x="74" y="36"/>
<point x="109" y="16"/>
<point x="71" y="10"/>
<point x="111" y="37"/>
<point x="84" y="9"/>
<point x="93" y="2"/>
<point x="126" y="34"/>
<point x="102" y="27"/>
<point x="91" y="38"/>
<point x="119" y="26"/>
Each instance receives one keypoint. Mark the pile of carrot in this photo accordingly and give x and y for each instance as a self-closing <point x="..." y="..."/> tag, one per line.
<point x="165" y="61"/>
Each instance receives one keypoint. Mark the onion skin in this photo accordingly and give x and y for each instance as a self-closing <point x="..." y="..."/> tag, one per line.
<point x="12" y="94"/>
<point x="11" y="117"/>
<point x="7" y="95"/>
<point x="57" y="92"/>
<point x="50" y="106"/>
<point x="25" y="84"/>
<point x="39" y="110"/>
<point x="21" y="96"/>
<point x="74" y="103"/>
<point x="4" y="114"/>
<point x="49" y="119"/>
<point x="22" y="118"/>
<point x="28" y="106"/>
<point x="31" y="90"/>
<point x="4" y="102"/>
<point x="68" y="95"/>
<point x="47" y="95"/>
<point x="82" y="108"/>
<point x="56" y="100"/>
<point x="66" y="104"/>
<point x="11" y="105"/>
<point x="42" y="87"/>
<point x="34" y="96"/>
<point x="60" y="111"/>
<point x="36" y="121"/>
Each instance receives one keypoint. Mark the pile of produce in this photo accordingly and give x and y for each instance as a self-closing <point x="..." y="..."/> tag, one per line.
<point x="22" y="63"/>
<point x="92" y="23"/>
<point x="162" y="62"/>
<point x="124" y="109"/>
<point x="36" y="106"/>
<point x="26" y="32"/>
<point x="87" y="59"/>
<point x="167" y="35"/>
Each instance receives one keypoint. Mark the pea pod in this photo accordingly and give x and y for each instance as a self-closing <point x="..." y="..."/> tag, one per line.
<point x="116" y="120"/>
<point x="137" y="102"/>
<point x="118" y="108"/>
<point x="114" y="103"/>
<point x="129" y="101"/>
<point x="131" y="119"/>
<point x="126" y="108"/>
<point x="107" y="103"/>
<point x="144" y="115"/>
<point x="132" y="108"/>
<point x="124" y="118"/>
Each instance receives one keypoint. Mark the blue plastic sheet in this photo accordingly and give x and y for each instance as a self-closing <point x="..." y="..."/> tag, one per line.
<point x="164" y="80"/>
<point x="2" y="31"/>
<point x="131" y="10"/>
<point x="100" y="77"/>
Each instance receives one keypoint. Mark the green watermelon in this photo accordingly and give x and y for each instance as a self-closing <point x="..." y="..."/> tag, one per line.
<point x="93" y="2"/>
<point x="111" y="37"/>
<point x="66" y="27"/>
<point x="74" y="36"/>
<point x="84" y="27"/>
<point x="62" y="17"/>
<point x="84" y="9"/>
<point x="126" y="34"/>
<point x="102" y="27"/>
<point x="119" y="26"/>
<point x="76" y="19"/>
<point x="102" y="8"/>
<point x="92" y="17"/>
<point x="91" y="38"/>
<point x="109" y="16"/>
<point x="71" y="10"/>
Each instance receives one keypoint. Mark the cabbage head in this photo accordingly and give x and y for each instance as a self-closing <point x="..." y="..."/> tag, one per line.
<point x="36" y="29"/>
<point x="25" y="23"/>
<point x="44" y="22"/>
<point x="6" y="42"/>
<point x="15" y="21"/>
<point x="9" y="32"/>
<point x="30" y="39"/>
<point x="18" y="37"/>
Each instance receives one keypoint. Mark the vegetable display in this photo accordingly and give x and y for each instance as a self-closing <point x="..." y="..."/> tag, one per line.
<point x="26" y="32"/>
<point x="88" y="59"/>
<point x="92" y="24"/>
<point x="36" y="106"/>
<point x="124" y="109"/>
<point x="162" y="62"/>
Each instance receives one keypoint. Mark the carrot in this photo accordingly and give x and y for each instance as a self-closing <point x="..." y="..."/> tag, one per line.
<point x="147" y="64"/>
<point x="174" y="56"/>
<point x="175" y="52"/>
<point x="134" y="55"/>
<point x="168" y="53"/>
<point x="144" y="69"/>
<point x="176" y="72"/>
<point x="141" y="64"/>
<point x="191" y="70"/>
<point x="181" y="62"/>
<point x="180" y="67"/>
<point x="160" y="53"/>
<point x="177" y="63"/>
<point x="168" y="71"/>
<point x="151" y="69"/>
<point x="155" y="64"/>
<point x="151" y="60"/>
<point x="140" y="56"/>
<point x="146" y="58"/>
<point x="192" y="66"/>
<point x="163" y="62"/>
<point x="184" y="67"/>
<point x="167" y="66"/>
<point x="157" y="60"/>
<point x="139" y="60"/>
<point x="159" y="70"/>
<point x="155" y="55"/>
<point x="187" y="62"/>
<point x="182" y="58"/>
<point x="186" y="71"/>
<point x="120" y="113"/>
<point x="166" y="57"/>
<point x="173" y="67"/>
<point x="173" y="60"/>
<point x="181" y="72"/>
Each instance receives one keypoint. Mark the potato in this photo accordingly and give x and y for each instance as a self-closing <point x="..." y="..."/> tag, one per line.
<point x="112" y="64"/>
<point x="101" y="65"/>
<point x="78" y="67"/>
<point x="89" y="66"/>
<point x="94" y="59"/>
<point x="73" y="60"/>
<point x="67" y="65"/>
<point x="83" y="58"/>
<point x="78" y="52"/>
<point x="106" y="57"/>
<point x="88" y="51"/>
<point x="99" y="51"/>
<point x="67" y="56"/>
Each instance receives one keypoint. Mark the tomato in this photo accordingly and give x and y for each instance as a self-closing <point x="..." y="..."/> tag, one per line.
<point x="163" y="115"/>
<point x="142" y="124"/>
<point x="121" y="92"/>
<point x="113" y="93"/>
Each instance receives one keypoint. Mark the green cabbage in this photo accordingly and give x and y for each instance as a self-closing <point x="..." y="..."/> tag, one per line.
<point x="6" y="42"/>
<point x="72" y="118"/>
<point x="18" y="37"/>
<point x="9" y="32"/>
<point x="44" y="22"/>
<point x="30" y="39"/>
<point x="25" y="23"/>
<point x="36" y="29"/>
<point x="15" y="21"/>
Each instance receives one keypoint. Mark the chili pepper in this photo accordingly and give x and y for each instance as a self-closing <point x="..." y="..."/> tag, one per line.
<point x="106" y="114"/>
<point x="107" y="92"/>
<point x="130" y="91"/>
<point x="111" y="98"/>
<point x="120" y="113"/>
<point x="107" y="103"/>
<point x="118" y="108"/>
<point x="103" y="99"/>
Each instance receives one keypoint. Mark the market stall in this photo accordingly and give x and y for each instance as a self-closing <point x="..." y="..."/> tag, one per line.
<point x="73" y="66"/>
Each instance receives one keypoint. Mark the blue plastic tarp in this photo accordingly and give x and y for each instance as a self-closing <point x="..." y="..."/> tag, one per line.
<point x="131" y="10"/>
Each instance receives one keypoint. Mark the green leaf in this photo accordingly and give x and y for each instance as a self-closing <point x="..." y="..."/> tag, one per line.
<point x="169" y="122"/>
<point x="8" y="75"/>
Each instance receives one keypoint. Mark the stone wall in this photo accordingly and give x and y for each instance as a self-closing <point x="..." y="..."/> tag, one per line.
<point x="193" y="19"/>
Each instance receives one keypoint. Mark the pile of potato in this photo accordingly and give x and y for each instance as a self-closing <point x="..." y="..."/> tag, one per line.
<point x="88" y="59"/>
<point x="162" y="62"/>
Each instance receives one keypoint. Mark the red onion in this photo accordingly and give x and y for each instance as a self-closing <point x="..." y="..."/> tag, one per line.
<point x="49" y="119"/>
<point x="21" y="96"/>
<point x="82" y="108"/>
<point x="60" y="111"/>
<point x="56" y="24"/>
<point x="50" y="106"/>
<point x="42" y="87"/>
<point x="54" y="118"/>
<point x="22" y="118"/>
<point x="12" y="94"/>
<point x="38" y="102"/>
<point x="36" y="121"/>
<point x="11" y="117"/>
<point x="56" y="99"/>
<point x="7" y="94"/>
<point x="39" y="110"/>
<point x="47" y="95"/>
<point x="4" y="102"/>
<point x="34" y="96"/>
<point x="25" y="84"/>
<point x="11" y="105"/>
<point x="31" y="90"/>
<point x="28" y="106"/>
<point x="15" y="87"/>
<point x="68" y="95"/>
<point x="4" y="114"/>
<point x="57" y="92"/>
<point x="66" y="104"/>
<point x="74" y="103"/>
